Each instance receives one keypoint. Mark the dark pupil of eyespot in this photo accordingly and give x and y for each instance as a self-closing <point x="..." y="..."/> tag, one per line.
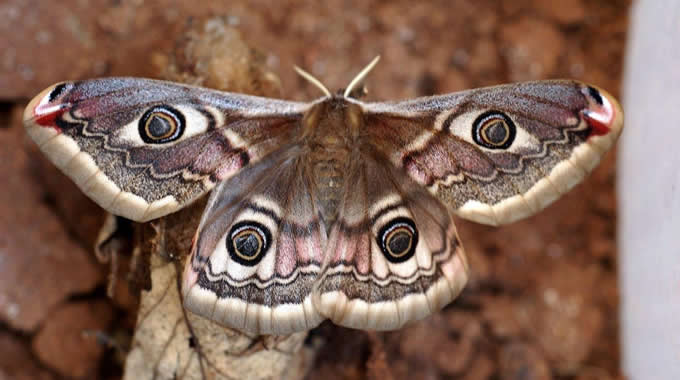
<point x="400" y="242"/>
<point x="496" y="132"/>
<point x="247" y="244"/>
<point x="159" y="126"/>
<point x="398" y="239"/>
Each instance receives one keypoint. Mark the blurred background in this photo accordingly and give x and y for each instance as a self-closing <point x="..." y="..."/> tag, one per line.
<point x="543" y="299"/>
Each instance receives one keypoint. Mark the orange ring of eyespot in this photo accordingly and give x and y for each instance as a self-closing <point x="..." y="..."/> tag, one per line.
<point x="168" y="118"/>
<point x="259" y="240"/>
<point x="392" y="233"/>
<point x="489" y="123"/>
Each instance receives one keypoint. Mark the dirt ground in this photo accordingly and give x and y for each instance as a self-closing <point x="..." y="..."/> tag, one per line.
<point x="543" y="297"/>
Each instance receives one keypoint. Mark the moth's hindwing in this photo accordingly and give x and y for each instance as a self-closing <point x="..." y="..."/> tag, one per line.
<point x="262" y="261"/>
<point x="394" y="255"/>
<point x="498" y="154"/>
<point x="142" y="148"/>
<point x="258" y="251"/>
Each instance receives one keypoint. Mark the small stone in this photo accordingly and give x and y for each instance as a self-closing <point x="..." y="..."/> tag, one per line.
<point x="520" y="361"/>
<point x="17" y="362"/>
<point x="442" y="343"/>
<point x="67" y="342"/>
<point x="501" y="316"/>
<point x="463" y="336"/>
<point x="482" y="368"/>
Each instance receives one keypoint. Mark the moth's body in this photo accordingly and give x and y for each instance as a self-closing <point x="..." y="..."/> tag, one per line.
<point x="331" y="140"/>
<point x="335" y="209"/>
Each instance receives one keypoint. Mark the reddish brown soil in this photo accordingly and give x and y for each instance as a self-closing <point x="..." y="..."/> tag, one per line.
<point x="542" y="301"/>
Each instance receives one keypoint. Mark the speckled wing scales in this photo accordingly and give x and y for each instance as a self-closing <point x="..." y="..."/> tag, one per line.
<point x="142" y="148"/>
<point x="258" y="250"/>
<point x="393" y="256"/>
<point x="498" y="154"/>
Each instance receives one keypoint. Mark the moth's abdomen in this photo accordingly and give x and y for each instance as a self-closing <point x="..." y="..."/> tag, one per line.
<point x="329" y="165"/>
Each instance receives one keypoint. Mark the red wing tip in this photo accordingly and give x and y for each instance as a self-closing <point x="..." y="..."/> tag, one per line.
<point x="45" y="108"/>
<point x="603" y="114"/>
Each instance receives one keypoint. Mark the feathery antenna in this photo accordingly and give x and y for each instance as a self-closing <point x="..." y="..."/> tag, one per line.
<point x="313" y="80"/>
<point x="357" y="79"/>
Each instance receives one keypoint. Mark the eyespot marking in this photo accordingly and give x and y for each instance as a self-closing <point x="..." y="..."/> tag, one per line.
<point x="247" y="242"/>
<point x="161" y="124"/>
<point x="493" y="130"/>
<point x="398" y="239"/>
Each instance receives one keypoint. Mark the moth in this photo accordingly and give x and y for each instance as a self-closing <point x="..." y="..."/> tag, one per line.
<point x="332" y="209"/>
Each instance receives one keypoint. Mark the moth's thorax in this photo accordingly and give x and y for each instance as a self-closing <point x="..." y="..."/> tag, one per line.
<point x="330" y="130"/>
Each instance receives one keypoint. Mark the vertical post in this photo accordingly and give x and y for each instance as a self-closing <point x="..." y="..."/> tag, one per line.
<point x="649" y="194"/>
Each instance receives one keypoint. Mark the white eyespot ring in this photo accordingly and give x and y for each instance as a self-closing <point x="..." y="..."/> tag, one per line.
<point x="247" y="242"/>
